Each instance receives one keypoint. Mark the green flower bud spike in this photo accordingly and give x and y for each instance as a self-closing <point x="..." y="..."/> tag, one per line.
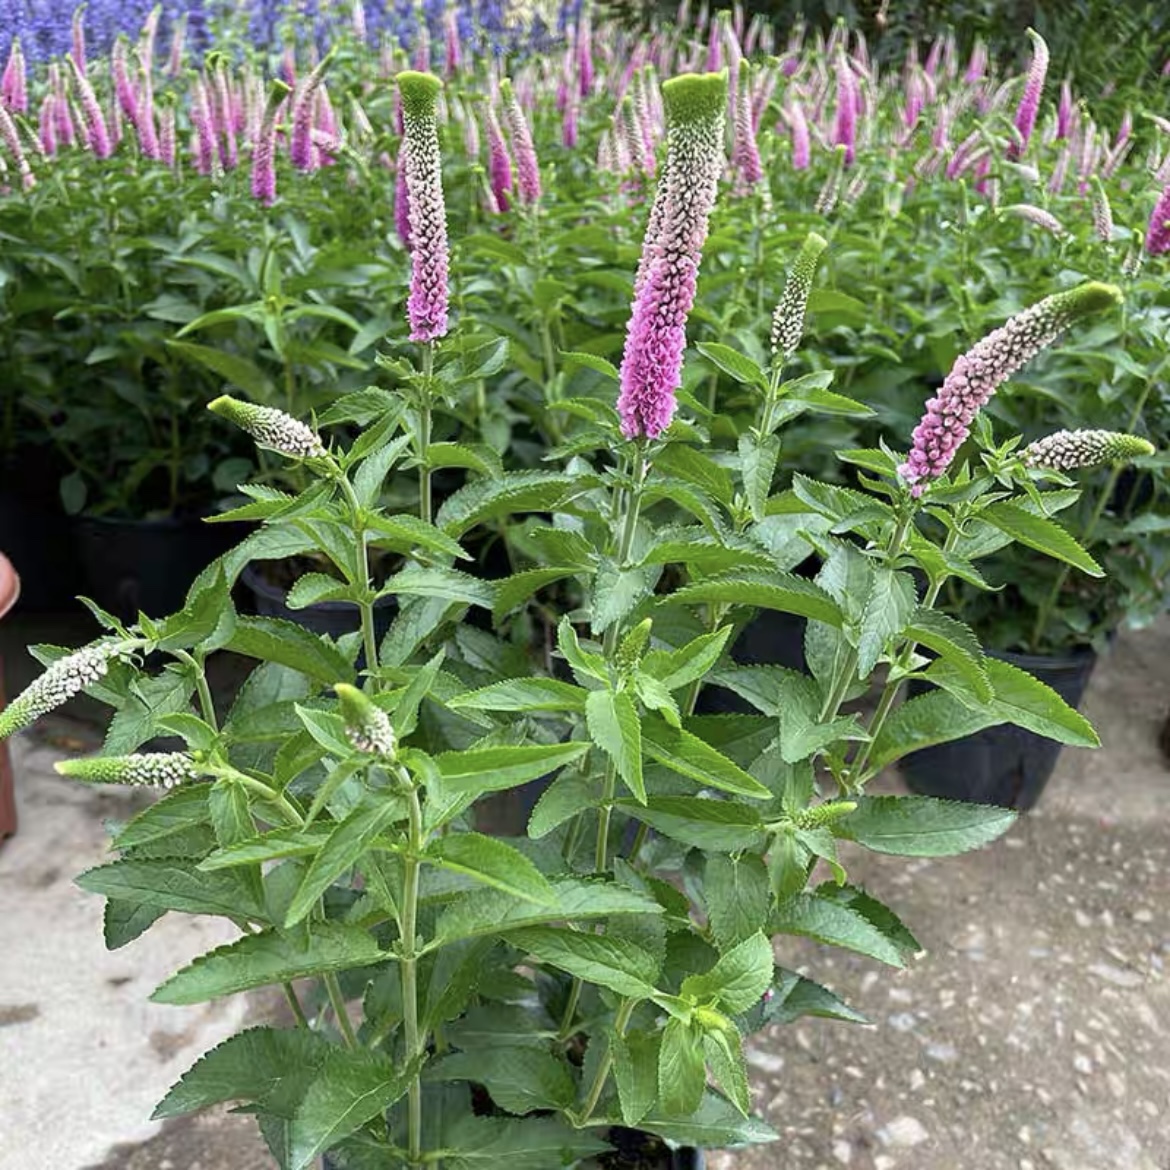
<point x="788" y="319"/>
<point x="66" y="677"/>
<point x="1072" y="450"/>
<point x="271" y="428"/>
<point x="148" y="769"/>
<point x="368" y="727"/>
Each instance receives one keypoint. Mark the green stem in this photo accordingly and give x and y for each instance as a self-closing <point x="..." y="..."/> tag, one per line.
<point x="409" y="964"/>
<point x="621" y="1022"/>
<point x="366" y="605"/>
<point x="262" y="790"/>
<point x="893" y="687"/>
<point x="338" y="1002"/>
<point x="206" y="703"/>
<point x="298" y="1012"/>
<point x="570" y="1013"/>
<point x="424" y="435"/>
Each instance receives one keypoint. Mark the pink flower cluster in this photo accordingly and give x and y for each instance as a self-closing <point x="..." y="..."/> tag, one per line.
<point x="1030" y="100"/>
<point x="1158" y="232"/>
<point x="426" y="306"/>
<point x="977" y="374"/>
<point x="671" y="251"/>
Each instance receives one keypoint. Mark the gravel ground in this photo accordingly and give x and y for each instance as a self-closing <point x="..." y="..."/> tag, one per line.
<point x="1032" y="1034"/>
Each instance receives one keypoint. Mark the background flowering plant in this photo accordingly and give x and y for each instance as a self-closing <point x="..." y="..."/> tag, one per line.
<point x="602" y="969"/>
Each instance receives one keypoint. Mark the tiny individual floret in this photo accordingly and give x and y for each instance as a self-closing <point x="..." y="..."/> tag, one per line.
<point x="788" y="318"/>
<point x="367" y="726"/>
<point x="271" y="428"/>
<point x="148" y="769"/>
<point x="977" y="374"/>
<point x="1072" y="450"/>
<point x="65" y="678"/>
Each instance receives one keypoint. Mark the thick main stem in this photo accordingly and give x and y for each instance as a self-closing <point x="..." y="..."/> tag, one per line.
<point x="366" y="606"/>
<point x="620" y="1024"/>
<point x="409" y="963"/>
<point x="424" y="435"/>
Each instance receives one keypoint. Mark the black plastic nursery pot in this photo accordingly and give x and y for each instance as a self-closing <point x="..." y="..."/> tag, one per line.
<point x="334" y="618"/>
<point x="36" y="535"/>
<point x="634" y="1150"/>
<point x="1005" y="765"/>
<point x="147" y="565"/>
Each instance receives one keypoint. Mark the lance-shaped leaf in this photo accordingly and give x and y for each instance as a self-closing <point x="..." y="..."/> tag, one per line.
<point x="692" y="757"/>
<point x="492" y="862"/>
<point x="615" y="963"/>
<point x="921" y="826"/>
<point x="492" y="769"/>
<point x="613" y="725"/>
<point x="260" y="960"/>
<point x="781" y="591"/>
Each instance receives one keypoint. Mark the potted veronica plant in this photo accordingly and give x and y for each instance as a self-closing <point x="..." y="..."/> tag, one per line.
<point x="1053" y="617"/>
<point x="579" y="995"/>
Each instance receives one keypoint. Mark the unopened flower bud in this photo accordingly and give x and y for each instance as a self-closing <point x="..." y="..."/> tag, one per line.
<point x="367" y="726"/>
<point x="271" y="428"/>
<point x="1036" y="215"/>
<point x="788" y="319"/>
<point x="150" y="769"/>
<point x="1069" y="450"/>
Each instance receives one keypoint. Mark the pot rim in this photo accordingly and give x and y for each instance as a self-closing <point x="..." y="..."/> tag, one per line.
<point x="1075" y="658"/>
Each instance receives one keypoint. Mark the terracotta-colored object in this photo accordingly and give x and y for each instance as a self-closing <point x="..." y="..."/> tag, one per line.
<point x="9" y="592"/>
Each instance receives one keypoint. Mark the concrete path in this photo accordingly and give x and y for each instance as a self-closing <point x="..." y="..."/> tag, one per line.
<point x="1034" y="1034"/>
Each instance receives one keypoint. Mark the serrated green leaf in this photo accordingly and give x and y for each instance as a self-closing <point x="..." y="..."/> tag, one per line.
<point x="682" y="1071"/>
<point x="678" y="668"/>
<point x="522" y="694"/>
<point x="519" y="1078"/>
<point x="690" y="756"/>
<point x="613" y="726"/>
<point x="495" y="768"/>
<point x="889" y="605"/>
<point x="1027" y="702"/>
<point x="1040" y="533"/>
<point x="520" y="587"/>
<point x="492" y="862"/>
<point x="796" y="996"/>
<point x="341" y="851"/>
<point x="737" y="896"/>
<point x="350" y="1087"/>
<point x="288" y="644"/>
<point x="270" y="1067"/>
<point x="733" y="363"/>
<point x="816" y="917"/>
<point x="610" y="962"/>
<point x="173" y="884"/>
<point x="260" y="960"/>
<point x="591" y="361"/>
<point x="436" y="581"/>
<point x="635" y="1069"/>
<point x="757" y="464"/>
<point x="738" y="979"/>
<point x="780" y="591"/>
<point x="699" y="821"/>
<point x="955" y="642"/>
<point x="921" y="826"/>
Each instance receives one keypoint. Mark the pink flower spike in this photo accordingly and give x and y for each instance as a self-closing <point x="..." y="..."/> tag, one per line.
<point x="78" y="53"/>
<point x="801" y="147"/>
<point x="845" y="125"/>
<point x="745" y="154"/>
<point x="427" y="304"/>
<point x="304" y="101"/>
<point x="97" y="133"/>
<point x="1158" y="232"/>
<point x="977" y="374"/>
<point x="651" y="368"/>
<point x="1030" y="100"/>
<point x="527" y="167"/>
<point x="13" y="85"/>
<point x="264" y="147"/>
<point x="499" y="162"/>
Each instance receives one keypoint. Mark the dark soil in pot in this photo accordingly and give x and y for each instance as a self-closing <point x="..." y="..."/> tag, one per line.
<point x="1005" y="765"/>
<point x="148" y="565"/>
